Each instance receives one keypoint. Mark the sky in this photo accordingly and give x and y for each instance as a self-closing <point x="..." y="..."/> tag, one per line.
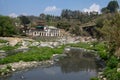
<point x="15" y="8"/>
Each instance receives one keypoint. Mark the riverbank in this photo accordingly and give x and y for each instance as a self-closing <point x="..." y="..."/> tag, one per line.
<point x="37" y="54"/>
<point x="12" y="67"/>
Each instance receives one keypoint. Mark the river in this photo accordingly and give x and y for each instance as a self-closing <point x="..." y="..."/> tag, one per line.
<point x="72" y="67"/>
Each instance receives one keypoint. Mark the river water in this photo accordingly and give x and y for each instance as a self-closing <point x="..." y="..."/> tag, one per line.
<point x="75" y="67"/>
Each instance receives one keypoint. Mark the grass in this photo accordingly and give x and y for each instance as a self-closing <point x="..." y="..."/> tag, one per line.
<point x="8" y="48"/>
<point x="3" y="41"/>
<point x="81" y="45"/>
<point x="34" y="54"/>
<point x="100" y="47"/>
<point x="45" y="53"/>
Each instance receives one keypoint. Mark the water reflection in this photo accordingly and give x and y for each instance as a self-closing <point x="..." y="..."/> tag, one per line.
<point x="72" y="67"/>
<point x="77" y="63"/>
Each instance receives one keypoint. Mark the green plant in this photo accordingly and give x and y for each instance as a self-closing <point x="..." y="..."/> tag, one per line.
<point x="34" y="54"/>
<point x="112" y="62"/>
<point x="94" y="79"/>
<point x="3" y="41"/>
<point x="7" y="48"/>
<point x="111" y="74"/>
<point x="6" y="70"/>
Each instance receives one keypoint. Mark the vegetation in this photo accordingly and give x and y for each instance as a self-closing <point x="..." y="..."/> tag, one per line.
<point x="94" y="79"/>
<point x="110" y="71"/>
<point x="3" y="41"/>
<point x="111" y="33"/>
<point x="107" y="26"/>
<point x="24" y="21"/>
<point x="8" y="48"/>
<point x="112" y="7"/>
<point x="34" y="54"/>
<point x="99" y="47"/>
<point x="6" y="26"/>
<point x="111" y="74"/>
<point x="44" y="53"/>
<point x="6" y="70"/>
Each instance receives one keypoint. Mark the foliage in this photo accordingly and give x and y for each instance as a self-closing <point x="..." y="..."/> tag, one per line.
<point x="105" y="10"/>
<point x="7" y="48"/>
<point x="111" y="32"/>
<point x="101" y="49"/>
<point x="34" y="54"/>
<point x="24" y="21"/>
<point x="81" y="45"/>
<point x="3" y="41"/>
<point x="78" y="15"/>
<point x="111" y="74"/>
<point x="112" y="7"/>
<point x="6" y="26"/>
<point x="76" y="30"/>
<point x="94" y="79"/>
<point x="112" y="62"/>
<point x="118" y="65"/>
<point x="63" y="25"/>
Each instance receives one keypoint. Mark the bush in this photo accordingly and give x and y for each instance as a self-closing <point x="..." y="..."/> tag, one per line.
<point x="111" y="74"/>
<point x="112" y="62"/>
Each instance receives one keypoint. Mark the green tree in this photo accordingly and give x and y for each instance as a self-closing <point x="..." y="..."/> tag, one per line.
<point x="111" y="32"/>
<point x="113" y="6"/>
<point x="105" y="10"/>
<point x="25" y="21"/>
<point x="6" y="26"/>
<point x="63" y="25"/>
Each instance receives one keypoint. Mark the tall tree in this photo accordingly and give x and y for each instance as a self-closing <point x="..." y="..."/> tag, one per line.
<point x="25" y="21"/>
<point x="113" y="6"/>
<point x="6" y="26"/>
<point x="105" y="10"/>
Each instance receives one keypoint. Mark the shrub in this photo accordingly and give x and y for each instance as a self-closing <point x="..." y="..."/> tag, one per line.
<point x="111" y="74"/>
<point x="112" y="62"/>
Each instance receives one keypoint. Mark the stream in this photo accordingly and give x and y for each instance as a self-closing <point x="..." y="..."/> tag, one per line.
<point x="70" y="67"/>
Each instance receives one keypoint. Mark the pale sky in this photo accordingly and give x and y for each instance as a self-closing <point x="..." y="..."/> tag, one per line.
<point x="54" y="7"/>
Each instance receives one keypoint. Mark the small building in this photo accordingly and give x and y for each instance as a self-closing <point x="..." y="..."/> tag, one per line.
<point x="43" y="31"/>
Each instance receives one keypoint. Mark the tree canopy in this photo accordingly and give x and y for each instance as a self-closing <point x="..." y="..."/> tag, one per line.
<point x="111" y="32"/>
<point x="6" y="26"/>
<point x="24" y="20"/>
<point x="112" y="7"/>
